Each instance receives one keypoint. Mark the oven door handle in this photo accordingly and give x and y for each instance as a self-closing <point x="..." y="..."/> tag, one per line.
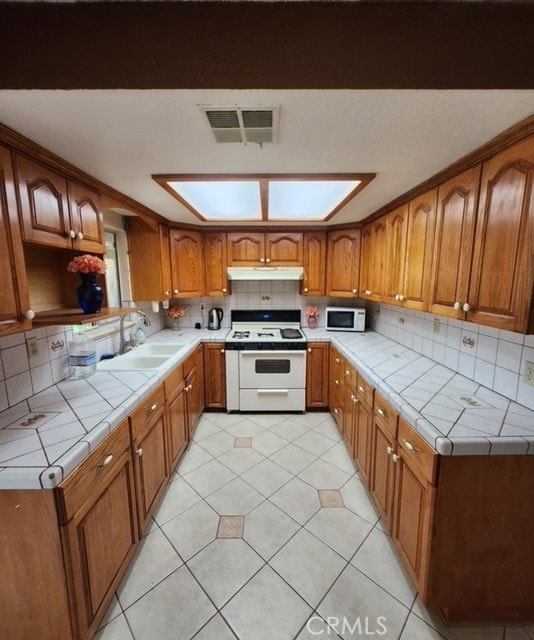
<point x="267" y="392"/>
<point x="279" y="353"/>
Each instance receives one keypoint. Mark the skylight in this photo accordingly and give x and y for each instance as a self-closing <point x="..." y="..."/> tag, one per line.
<point x="284" y="198"/>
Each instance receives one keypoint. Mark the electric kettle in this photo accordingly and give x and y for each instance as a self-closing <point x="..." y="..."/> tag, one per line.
<point x="215" y="316"/>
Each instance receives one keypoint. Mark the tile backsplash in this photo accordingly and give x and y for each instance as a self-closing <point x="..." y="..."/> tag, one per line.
<point x="493" y="358"/>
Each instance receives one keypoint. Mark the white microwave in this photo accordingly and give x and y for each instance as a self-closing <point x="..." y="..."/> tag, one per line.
<point x="345" y="319"/>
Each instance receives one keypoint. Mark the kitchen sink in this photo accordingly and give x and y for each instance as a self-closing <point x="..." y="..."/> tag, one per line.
<point x="145" y="357"/>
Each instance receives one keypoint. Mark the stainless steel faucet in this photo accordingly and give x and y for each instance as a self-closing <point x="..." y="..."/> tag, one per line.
<point x="128" y="345"/>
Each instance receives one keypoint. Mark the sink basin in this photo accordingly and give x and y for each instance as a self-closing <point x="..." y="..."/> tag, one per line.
<point x="132" y="362"/>
<point x="155" y="349"/>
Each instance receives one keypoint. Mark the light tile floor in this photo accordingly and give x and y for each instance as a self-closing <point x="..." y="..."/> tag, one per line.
<point x="306" y="546"/>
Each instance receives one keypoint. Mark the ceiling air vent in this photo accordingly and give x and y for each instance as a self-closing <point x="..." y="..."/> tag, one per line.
<point x="243" y="124"/>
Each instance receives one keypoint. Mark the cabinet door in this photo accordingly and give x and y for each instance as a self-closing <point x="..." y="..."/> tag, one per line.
<point x="382" y="478"/>
<point x="150" y="465"/>
<point x="215" y="375"/>
<point x="176" y="427"/>
<point x="336" y="397"/>
<point x="192" y="401"/>
<point x="246" y="249"/>
<point x="314" y="247"/>
<point x="317" y="375"/>
<point x="187" y="264"/>
<point x="14" y="299"/>
<point x="343" y="266"/>
<point x="396" y="231"/>
<point x="372" y="260"/>
<point x="43" y="205"/>
<point x="419" y="245"/>
<point x="283" y="249"/>
<point x="216" y="264"/>
<point x="412" y="518"/>
<point x="99" y="542"/>
<point x="151" y="279"/>
<point x="453" y="244"/>
<point x="86" y="218"/>
<point x="363" y="425"/>
<point x="502" y="277"/>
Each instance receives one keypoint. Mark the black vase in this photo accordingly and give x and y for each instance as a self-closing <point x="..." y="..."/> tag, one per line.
<point x="90" y="295"/>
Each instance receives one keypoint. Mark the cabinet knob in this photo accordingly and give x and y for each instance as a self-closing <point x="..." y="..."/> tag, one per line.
<point x="222" y="350"/>
<point x="175" y="291"/>
<point x="336" y="410"/>
<point x="347" y="372"/>
<point x="224" y="290"/>
<point x="337" y="382"/>
<point x="306" y="289"/>
<point x="309" y="350"/>
<point x="360" y="388"/>
<point x="401" y="297"/>
<point x="456" y="306"/>
<point x="355" y="291"/>
<point x="355" y="400"/>
<point x="139" y="452"/>
<point x="30" y="314"/>
<point x="262" y="260"/>
<point x="153" y="407"/>
<point x="267" y="260"/>
<point x="389" y="450"/>
<point x="338" y="360"/>
<point x="380" y="412"/>
<point x="79" y="235"/>
<point x="409" y="446"/>
<point x="71" y="234"/>
<point x="466" y="307"/>
<point x="166" y="293"/>
<point x="395" y="457"/>
<point x="397" y="297"/>
<point x="107" y="460"/>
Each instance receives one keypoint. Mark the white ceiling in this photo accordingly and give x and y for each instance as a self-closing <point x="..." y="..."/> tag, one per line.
<point x="124" y="136"/>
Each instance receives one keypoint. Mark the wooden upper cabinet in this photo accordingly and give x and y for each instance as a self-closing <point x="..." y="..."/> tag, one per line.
<point x="502" y="277"/>
<point x="314" y="252"/>
<point x="14" y="301"/>
<point x="372" y="263"/>
<point x="246" y="249"/>
<point x="396" y="231"/>
<point x="187" y="264"/>
<point x="151" y="279"/>
<point x="283" y="249"/>
<point x="56" y="212"/>
<point x="216" y="264"/>
<point x="86" y="218"/>
<point x="453" y="243"/>
<point x="419" y="245"/>
<point x="261" y="249"/>
<point x="343" y="266"/>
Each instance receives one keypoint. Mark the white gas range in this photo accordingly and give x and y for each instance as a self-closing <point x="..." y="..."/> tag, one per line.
<point x="266" y="361"/>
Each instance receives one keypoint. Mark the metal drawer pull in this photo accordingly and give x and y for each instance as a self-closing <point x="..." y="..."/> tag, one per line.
<point x="272" y="391"/>
<point x="389" y="450"/>
<point x="153" y="407"/>
<point x="139" y="452"/>
<point x="409" y="446"/>
<point x="107" y="460"/>
<point x="381" y="412"/>
<point x="395" y="457"/>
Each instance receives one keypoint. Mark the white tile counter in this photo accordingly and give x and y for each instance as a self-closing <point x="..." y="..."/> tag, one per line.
<point x="45" y="437"/>
<point x="456" y="415"/>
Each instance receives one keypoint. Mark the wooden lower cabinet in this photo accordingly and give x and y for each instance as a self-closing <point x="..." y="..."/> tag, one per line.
<point x="99" y="529"/>
<point x="176" y="416"/>
<point x="215" y="375"/>
<point x="147" y="429"/>
<point x="382" y="480"/>
<point x="317" y="375"/>
<point x="194" y="388"/>
<point x="336" y="390"/>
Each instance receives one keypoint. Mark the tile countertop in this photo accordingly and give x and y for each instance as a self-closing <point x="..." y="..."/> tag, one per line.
<point x="456" y="415"/>
<point x="74" y="416"/>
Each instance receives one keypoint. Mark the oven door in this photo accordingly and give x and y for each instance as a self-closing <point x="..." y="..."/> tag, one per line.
<point x="272" y="369"/>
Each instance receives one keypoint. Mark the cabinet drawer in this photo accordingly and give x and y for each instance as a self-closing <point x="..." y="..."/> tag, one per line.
<point x="88" y="480"/>
<point x="351" y="376"/>
<point x="385" y="415"/>
<point x="173" y="382"/>
<point x="365" y="391"/>
<point x="418" y="451"/>
<point x="338" y="364"/>
<point x="147" y="412"/>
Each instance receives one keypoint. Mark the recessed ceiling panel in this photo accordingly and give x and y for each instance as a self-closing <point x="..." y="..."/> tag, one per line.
<point x="307" y="199"/>
<point x="222" y="200"/>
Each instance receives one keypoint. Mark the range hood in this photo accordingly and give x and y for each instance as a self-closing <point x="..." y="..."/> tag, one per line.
<point x="265" y="273"/>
